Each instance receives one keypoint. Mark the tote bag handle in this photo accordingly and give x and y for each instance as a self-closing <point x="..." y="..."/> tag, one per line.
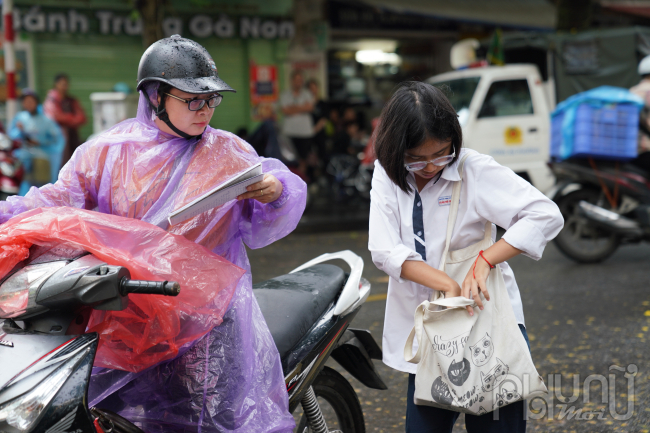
<point x="417" y="330"/>
<point x="455" y="302"/>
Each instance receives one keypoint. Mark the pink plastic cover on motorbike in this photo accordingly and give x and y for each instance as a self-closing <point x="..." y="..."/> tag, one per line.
<point x="231" y="379"/>
<point x="149" y="330"/>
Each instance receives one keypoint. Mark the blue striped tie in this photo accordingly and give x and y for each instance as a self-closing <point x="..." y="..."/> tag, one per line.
<point x="418" y="227"/>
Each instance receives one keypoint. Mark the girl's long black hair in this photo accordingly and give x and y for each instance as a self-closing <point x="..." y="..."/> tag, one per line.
<point x="415" y="113"/>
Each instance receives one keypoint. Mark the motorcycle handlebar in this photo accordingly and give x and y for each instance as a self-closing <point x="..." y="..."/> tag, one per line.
<point x="166" y="288"/>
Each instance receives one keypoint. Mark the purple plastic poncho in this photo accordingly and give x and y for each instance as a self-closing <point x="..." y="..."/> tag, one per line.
<point x="231" y="379"/>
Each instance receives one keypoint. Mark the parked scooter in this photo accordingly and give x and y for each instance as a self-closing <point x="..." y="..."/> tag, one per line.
<point x="46" y="359"/>
<point x="11" y="169"/>
<point x="352" y="175"/>
<point x="604" y="204"/>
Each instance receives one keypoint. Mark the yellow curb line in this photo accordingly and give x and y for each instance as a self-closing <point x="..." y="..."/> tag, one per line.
<point x="380" y="297"/>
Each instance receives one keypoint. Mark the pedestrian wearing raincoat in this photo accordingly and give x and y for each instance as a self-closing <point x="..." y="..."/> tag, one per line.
<point x="230" y="380"/>
<point x="39" y="135"/>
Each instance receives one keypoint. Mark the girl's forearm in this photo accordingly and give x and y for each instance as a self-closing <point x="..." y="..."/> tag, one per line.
<point x="500" y="252"/>
<point x="421" y="273"/>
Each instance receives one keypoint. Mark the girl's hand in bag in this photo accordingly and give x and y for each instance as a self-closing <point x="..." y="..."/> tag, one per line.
<point x="472" y="287"/>
<point x="421" y="273"/>
<point x="452" y="290"/>
<point x="476" y="280"/>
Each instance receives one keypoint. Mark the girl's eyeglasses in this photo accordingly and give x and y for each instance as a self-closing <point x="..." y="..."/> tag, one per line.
<point x="420" y="165"/>
<point x="196" y="104"/>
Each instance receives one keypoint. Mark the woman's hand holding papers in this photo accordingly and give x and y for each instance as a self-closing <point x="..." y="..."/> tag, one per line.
<point x="266" y="191"/>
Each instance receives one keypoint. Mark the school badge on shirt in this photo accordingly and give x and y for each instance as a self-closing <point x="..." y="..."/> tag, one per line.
<point x="444" y="200"/>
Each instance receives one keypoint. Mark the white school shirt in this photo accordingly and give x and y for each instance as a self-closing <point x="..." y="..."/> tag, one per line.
<point x="489" y="192"/>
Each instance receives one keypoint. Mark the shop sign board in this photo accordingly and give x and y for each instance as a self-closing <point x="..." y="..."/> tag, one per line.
<point x="36" y="20"/>
<point x="344" y="14"/>
<point x="581" y="57"/>
<point x="263" y="90"/>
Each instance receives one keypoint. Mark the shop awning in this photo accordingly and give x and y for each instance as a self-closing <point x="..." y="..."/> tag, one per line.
<point x="522" y="14"/>
<point x="630" y="7"/>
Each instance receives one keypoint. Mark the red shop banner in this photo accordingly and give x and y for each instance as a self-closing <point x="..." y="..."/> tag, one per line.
<point x="264" y="90"/>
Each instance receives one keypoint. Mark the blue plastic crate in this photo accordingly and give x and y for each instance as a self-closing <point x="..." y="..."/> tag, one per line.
<point x="608" y="132"/>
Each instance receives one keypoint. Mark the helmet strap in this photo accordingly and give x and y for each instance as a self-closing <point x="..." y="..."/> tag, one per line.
<point x="165" y="118"/>
<point x="161" y="112"/>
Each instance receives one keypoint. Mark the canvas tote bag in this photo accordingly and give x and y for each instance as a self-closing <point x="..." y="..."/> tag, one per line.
<point x="471" y="364"/>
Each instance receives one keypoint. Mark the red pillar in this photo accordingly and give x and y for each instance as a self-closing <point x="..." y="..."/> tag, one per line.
<point x="10" y="59"/>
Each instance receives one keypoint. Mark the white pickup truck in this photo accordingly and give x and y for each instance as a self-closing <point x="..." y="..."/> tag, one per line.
<point x="505" y="113"/>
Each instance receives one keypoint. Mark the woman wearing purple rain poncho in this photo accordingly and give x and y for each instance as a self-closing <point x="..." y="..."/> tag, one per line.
<point x="231" y="379"/>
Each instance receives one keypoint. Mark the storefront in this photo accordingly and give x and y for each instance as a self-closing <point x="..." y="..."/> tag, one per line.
<point x="99" y="44"/>
<point x="375" y="44"/>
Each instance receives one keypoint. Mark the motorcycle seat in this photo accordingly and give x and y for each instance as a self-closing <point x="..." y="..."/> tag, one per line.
<point x="292" y="303"/>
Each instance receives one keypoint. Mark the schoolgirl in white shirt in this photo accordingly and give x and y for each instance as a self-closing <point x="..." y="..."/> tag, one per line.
<point x="418" y="144"/>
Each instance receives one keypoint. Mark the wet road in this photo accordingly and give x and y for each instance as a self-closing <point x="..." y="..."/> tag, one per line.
<point x="583" y="321"/>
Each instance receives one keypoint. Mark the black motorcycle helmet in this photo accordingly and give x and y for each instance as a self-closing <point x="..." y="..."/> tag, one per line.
<point x="180" y="63"/>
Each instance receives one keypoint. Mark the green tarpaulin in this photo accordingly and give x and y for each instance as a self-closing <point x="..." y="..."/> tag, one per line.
<point x="581" y="61"/>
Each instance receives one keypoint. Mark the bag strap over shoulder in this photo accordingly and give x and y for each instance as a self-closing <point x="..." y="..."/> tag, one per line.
<point x="453" y="211"/>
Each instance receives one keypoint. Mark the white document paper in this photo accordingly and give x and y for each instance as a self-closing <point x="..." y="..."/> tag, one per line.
<point x="228" y="190"/>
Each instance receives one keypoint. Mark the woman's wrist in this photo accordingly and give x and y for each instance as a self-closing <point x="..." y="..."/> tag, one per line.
<point x="500" y="252"/>
<point x="421" y="273"/>
<point x="282" y="198"/>
<point x="482" y="266"/>
<point x="450" y="286"/>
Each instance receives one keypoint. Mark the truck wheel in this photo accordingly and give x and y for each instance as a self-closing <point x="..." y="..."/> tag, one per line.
<point x="339" y="404"/>
<point x="580" y="240"/>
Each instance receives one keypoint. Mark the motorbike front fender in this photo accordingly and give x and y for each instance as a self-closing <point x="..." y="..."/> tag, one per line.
<point x="355" y="352"/>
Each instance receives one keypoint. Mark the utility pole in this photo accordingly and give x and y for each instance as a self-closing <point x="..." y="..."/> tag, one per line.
<point x="152" y="13"/>
<point x="10" y="60"/>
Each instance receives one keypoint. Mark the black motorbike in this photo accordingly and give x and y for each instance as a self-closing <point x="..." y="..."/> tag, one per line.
<point x="12" y="170"/>
<point x="604" y="204"/>
<point x="46" y="358"/>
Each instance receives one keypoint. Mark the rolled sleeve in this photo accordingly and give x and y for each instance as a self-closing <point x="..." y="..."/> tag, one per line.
<point x="531" y="220"/>
<point x="394" y="259"/>
<point x="384" y="241"/>
<point x="525" y="236"/>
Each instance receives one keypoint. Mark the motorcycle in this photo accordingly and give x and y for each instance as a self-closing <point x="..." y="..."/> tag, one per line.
<point x="604" y="204"/>
<point x="352" y="175"/>
<point x="11" y="169"/>
<point x="46" y="301"/>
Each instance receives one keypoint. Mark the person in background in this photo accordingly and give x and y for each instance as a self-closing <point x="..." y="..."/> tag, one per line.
<point x="67" y="112"/>
<point x="642" y="90"/>
<point x="37" y="132"/>
<point x="351" y="138"/>
<point x="320" y="117"/>
<point x="297" y="103"/>
<point x="321" y="111"/>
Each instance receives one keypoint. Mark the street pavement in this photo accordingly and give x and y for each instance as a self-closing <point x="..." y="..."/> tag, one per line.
<point x="583" y="321"/>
